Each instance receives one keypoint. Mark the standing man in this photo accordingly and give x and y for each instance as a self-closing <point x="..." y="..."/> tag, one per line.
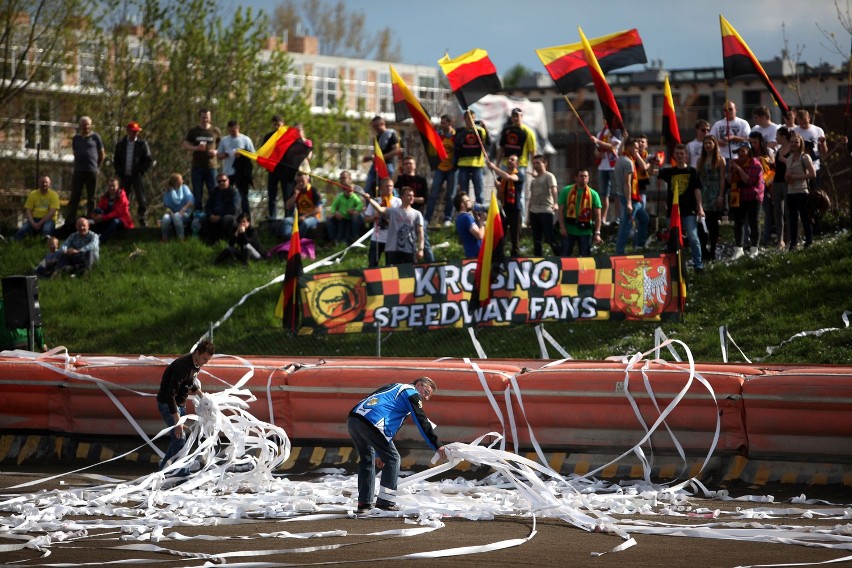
<point x="179" y="379"/>
<point x="606" y="154"/>
<point x="41" y="210"/>
<point x="764" y="125"/>
<point x="405" y="229"/>
<point x="579" y="216"/>
<point x="389" y="145"/>
<point x="694" y="147"/>
<point x="731" y="132"/>
<point x="543" y="196"/>
<point x="625" y="186"/>
<point x="131" y="159"/>
<point x="444" y="173"/>
<point x="683" y="179"/>
<point x="422" y="200"/>
<point x="202" y="140"/>
<point x="815" y="144"/>
<point x="380" y="222"/>
<point x="372" y="425"/>
<point x="518" y="139"/>
<point x="234" y="165"/>
<point x="470" y="159"/>
<point x="274" y="180"/>
<point x="508" y="193"/>
<point x="89" y="154"/>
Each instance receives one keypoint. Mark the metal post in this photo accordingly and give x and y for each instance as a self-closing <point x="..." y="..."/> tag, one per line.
<point x="31" y="336"/>
<point x="379" y="341"/>
<point x="210" y="333"/>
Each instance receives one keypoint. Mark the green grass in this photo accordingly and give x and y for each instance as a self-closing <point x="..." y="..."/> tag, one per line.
<point x="163" y="298"/>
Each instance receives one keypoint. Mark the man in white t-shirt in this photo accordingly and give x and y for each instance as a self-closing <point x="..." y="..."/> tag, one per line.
<point x="606" y="150"/>
<point x="814" y="137"/>
<point x="372" y="215"/>
<point x="731" y="132"/>
<point x="693" y="148"/>
<point x="763" y="124"/>
<point x="227" y="152"/>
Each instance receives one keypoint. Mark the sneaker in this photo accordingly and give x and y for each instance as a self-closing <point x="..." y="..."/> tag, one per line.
<point x="448" y="223"/>
<point x="752" y="252"/>
<point x="387" y="506"/>
<point x="364" y="508"/>
<point x="738" y="253"/>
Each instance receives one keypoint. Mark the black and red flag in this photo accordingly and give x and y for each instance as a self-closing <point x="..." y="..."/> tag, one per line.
<point x="289" y="304"/>
<point x="406" y="105"/>
<point x="471" y="76"/>
<point x="569" y="69"/>
<point x="283" y="152"/>
<point x="739" y="60"/>
<point x="611" y="114"/>
<point x="671" y="133"/>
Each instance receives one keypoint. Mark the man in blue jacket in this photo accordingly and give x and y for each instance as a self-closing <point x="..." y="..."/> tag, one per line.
<point x="372" y="425"/>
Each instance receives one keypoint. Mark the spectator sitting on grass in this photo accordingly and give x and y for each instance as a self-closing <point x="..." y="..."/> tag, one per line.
<point x="81" y="249"/>
<point x="41" y="210"/>
<point x="47" y="266"/>
<point x="113" y="211"/>
<point x="242" y="244"/>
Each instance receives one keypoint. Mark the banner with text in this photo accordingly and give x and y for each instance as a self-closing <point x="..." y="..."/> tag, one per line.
<point x="526" y="291"/>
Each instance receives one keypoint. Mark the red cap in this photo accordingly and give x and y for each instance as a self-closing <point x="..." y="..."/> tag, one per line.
<point x="134" y="127"/>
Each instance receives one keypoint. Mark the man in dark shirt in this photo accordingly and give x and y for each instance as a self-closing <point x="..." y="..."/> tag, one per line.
<point x="683" y="179"/>
<point x="179" y="379"/>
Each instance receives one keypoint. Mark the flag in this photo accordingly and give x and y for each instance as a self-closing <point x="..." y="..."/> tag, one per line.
<point x="379" y="161"/>
<point x="406" y="105"/>
<point x="569" y="69"/>
<point x="676" y="241"/>
<point x="284" y="148"/>
<point x="289" y="303"/>
<point x="471" y="76"/>
<point x="490" y="253"/>
<point x="671" y="133"/>
<point x="611" y="114"/>
<point x="739" y="60"/>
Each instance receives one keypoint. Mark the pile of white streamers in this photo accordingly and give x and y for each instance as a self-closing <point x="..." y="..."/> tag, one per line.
<point x="233" y="456"/>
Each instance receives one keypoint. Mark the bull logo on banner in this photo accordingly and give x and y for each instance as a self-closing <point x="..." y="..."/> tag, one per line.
<point x="641" y="286"/>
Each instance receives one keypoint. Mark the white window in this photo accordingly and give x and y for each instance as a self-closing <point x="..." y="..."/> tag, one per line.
<point x="325" y="86"/>
<point x="428" y="93"/>
<point x="39" y="129"/>
<point x="384" y="90"/>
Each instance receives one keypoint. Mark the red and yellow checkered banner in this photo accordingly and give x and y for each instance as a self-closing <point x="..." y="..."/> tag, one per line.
<point x="526" y="291"/>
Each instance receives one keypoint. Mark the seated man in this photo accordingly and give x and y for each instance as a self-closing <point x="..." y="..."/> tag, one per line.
<point x="346" y="220"/>
<point x="47" y="266"/>
<point x="113" y="211"/>
<point x="307" y="203"/>
<point x="221" y="211"/>
<point x="41" y="210"/>
<point x="81" y="249"/>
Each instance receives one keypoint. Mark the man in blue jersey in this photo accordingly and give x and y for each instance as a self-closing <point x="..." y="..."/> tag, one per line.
<point x="372" y="425"/>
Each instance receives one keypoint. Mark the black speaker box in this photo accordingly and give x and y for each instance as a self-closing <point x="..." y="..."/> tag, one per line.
<point x="20" y="301"/>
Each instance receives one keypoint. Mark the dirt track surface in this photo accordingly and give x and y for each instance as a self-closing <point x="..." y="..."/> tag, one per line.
<point x="555" y="544"/>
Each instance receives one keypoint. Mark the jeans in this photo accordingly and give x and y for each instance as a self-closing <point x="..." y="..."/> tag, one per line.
<point x="243" y="189"/>
<point x="438" y="179"/>
<point x="175" y="444"/>
<point x="375" y="253"/>
<point x="137" y="184"/>
<point x="746" y="212"/>
<point x="274" y="181"/>
<point x="710" y="238"/>
<point x="371" y="182"/>
<point x="78" y="181"/>
<point x="521" y="190"/>
<point x="368" y="442"/>
<point x="200" y="178"/>
<point x="105" y="229"/>
<point x="797" y="207"/>
<point x="690" y="228"/>
<point x="584" y="243"/>
<point x="345" y="230"/>
<point x="305" y="224"/>
<point x="542" y="230"/>
<point x="466" y="175"/>
<point x="178" y="220"/>
<point x="512" y="229"/>
<point x="640" y="215"/>
<point x="768" y="217"/>
<point x="779" y="201"/>
<point x="27" y="230"/>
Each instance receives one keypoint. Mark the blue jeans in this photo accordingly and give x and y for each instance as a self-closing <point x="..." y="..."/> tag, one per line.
<point x="105" y="229"/>
<point x="370" y="183"/>
<point x="438" y="179"/>
<point x="521" y="189"/>
<point x="368" y="442"/>
<point x="640" y="215"/>
<point x="604" y="183"/>
<point x="466" y="175"/>
<point x="200" y="178"/>
<point x="344" y="230"/>
<point x="305" y="225"/>
<point x="584" y="243"/>
<point x="27" y="230"/>
<point x="175" y="444"/>
<point x="690" y="229"/>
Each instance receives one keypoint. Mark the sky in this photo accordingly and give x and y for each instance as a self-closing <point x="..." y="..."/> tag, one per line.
<point x="681" y="33"/>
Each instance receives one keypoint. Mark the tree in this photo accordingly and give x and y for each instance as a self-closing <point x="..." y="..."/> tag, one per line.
<point x="341" y="32"/>
<point x="514" y="75"/>
<point x="34" y="40"/>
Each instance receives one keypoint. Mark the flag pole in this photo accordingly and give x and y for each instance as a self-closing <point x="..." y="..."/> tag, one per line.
<point x="577" y="114"/>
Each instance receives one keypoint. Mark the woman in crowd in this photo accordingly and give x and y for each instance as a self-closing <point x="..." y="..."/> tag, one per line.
<point x="779" y="186"/>
<point x="746" y="178"/>
<point x="766" y="157"/>
<point x="711" y="170"/>
<point x="179" y="202"/>
<point x="800" y="169"/>
<point x="113" y="211"/>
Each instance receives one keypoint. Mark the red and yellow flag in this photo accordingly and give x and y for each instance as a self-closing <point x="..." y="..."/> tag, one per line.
<point x="569" y="69"/>
<point x="671" y="132"/>
<point x="471" y="76"/>
<point x="379" y="161"/>
<point x="406" y="105"/>
<point x="739" y="60"/>
<point x="289" y="302"/>
<point x="676" y="241"/>
<point x="611" y="114"/>
<point x="490" y="253"/>
<point x="284" y="148"/>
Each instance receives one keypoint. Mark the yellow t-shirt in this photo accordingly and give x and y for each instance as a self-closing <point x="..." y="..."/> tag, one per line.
<point x="40" y="203"/>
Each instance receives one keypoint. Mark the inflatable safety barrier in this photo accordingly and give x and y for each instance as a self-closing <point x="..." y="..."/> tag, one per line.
<point x="797" y="413"/>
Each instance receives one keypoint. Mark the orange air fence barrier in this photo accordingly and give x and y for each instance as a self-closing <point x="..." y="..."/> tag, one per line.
<point x="791" y="412"/>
